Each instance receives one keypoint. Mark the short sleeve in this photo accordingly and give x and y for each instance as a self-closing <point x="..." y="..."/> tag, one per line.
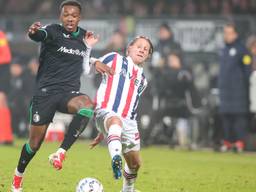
<point x="51" y="31"/>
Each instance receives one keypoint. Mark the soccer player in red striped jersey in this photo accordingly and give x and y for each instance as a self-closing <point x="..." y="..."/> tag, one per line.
<point x="116" y="105"/>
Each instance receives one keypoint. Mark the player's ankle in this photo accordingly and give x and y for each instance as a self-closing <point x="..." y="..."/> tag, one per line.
<point x="61" y="150"/>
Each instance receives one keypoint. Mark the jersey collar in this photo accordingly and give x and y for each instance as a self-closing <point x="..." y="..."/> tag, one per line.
<point x="131" y="61"/>
<point x="75" y="34"/>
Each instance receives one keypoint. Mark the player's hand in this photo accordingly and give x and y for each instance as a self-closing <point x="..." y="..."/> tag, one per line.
<point x="90" y="39"/>
<point x="103" y="68"/>
<point x="34" y="28"/>
<point x="96" y="140"/>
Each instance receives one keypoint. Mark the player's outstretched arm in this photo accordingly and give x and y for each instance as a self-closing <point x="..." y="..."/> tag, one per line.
<point x="36" y="33"/>
<point x="90" y="40"/>
<point x="91" y="65"/>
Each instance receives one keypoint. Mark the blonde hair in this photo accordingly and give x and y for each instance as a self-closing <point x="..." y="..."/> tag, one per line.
<point x="151" y="49"/>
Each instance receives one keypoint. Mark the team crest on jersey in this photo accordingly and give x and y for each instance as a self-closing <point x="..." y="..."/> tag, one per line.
<point x="123" y="72"/>
<point x="36" y="117"/>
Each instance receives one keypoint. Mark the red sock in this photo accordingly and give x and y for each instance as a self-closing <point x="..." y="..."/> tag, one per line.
<point x="5" y="126"/>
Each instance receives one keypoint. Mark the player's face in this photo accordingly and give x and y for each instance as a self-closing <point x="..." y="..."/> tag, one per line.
<point x="70" y="17"/>
<point x="139" y="51"/>
<point x="230" y="34"/>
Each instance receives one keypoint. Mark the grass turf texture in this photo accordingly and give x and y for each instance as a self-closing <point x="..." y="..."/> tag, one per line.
<point x="163" y="170"/>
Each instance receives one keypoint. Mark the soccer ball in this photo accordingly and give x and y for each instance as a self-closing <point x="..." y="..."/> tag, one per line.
<point x="89" y="185"/>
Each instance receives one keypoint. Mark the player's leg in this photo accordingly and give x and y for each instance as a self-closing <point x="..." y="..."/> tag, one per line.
<point x="131" y="168"/>
<point x="29" y="149"/>
<point x="41" y="113"/>
<point x="113" y="127"/>
<point x="82" y="108"/>
<point x="110" y="125"/>
<point x="227" y="124"/>
<point x="240" y="127"/>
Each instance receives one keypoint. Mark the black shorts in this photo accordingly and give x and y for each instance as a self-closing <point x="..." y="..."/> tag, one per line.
<point x="4" y="78"/>
<point x="43" y="107"/>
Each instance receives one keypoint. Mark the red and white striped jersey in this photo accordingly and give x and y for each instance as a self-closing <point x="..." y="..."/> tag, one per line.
<point x="121" y="92"/>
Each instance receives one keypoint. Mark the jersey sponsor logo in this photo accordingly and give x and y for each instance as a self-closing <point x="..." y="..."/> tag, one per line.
<point x="72" y="51"/>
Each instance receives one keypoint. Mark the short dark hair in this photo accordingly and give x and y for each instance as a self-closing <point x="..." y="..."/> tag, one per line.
<point x="166" y="26"/>
<point x="232" y="25"/>
<point x="71" y="2"/>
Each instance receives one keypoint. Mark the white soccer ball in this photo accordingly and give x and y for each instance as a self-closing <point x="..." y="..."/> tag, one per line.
<point x="89" y="185"/>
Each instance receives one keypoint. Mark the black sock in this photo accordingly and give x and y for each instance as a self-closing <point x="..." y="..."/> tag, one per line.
<point x="76" y="127"/>
<point x="26" y="155"/>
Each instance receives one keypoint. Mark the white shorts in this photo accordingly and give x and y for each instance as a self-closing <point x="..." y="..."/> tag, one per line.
<point x="130" y="137"/>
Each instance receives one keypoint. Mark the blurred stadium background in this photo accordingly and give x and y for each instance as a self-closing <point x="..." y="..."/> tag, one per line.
<point x="197" y="25"/>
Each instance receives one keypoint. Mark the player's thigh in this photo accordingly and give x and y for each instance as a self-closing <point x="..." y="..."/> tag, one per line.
<point x="103" y="121"/>
<point x="133" y="159"/>
<point x="73" y="102"/>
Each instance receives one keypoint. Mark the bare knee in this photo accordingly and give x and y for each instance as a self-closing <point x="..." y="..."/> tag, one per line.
<point x="86" y="102"/>
<point x="80" y="102"/>
<point x="36" y="137"/>
<point x="114" y="120"/>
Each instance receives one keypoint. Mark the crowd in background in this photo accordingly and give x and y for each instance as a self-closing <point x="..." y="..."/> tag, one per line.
<point x="175" y="110"/>
<point x="138" y="8"/>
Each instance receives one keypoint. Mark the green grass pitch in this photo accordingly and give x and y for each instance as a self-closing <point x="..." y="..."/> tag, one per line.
<point x="163" y="170"/>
